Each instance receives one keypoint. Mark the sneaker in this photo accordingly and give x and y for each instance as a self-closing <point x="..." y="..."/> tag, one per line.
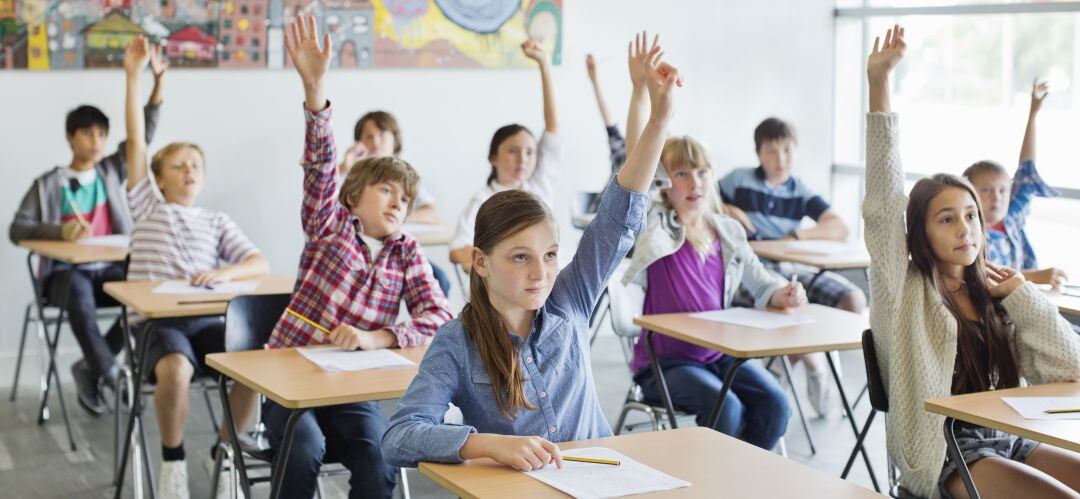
<point x="87" y="387"/>
<point x="173" y="480"/>
<point x="818" y="390"/>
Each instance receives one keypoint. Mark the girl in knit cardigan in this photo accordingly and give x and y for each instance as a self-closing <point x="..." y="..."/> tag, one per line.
<point x="948" y="322"/>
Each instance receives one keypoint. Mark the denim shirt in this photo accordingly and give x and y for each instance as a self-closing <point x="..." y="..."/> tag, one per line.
<point x="554" y="359"/>
<point x="1011" y="248"/>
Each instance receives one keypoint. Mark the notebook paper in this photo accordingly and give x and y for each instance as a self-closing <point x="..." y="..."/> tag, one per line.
<point x="754" y="318"/>
<point x="112" y="241"/>
<point x="338" y="360"/>
<point x="185" y="288"/>
<point x="1035" y="407"/>
<point x="604" y="480"/>
<point x="819" y="247"/>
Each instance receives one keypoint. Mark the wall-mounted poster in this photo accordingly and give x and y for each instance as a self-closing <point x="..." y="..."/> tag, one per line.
<point x="88" y="34"/>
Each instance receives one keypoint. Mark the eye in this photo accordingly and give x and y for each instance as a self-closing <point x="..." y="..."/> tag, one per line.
<point x="384" y="190"/>
<point x="520" y="257"/>
<point x="971" y="216"/>
<point x="680" y="174"/>
<point x="947" y="220"/>
<point x="551" y="255"/>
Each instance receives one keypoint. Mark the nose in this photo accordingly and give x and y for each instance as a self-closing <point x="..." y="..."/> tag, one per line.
<point x="536" y="270"/>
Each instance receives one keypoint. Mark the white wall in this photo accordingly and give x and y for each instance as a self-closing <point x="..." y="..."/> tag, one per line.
<point x="742" y="60"/>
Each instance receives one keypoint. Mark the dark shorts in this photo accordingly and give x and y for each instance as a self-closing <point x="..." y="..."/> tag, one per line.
<point x="192" y="337"/>
<point x="977" y="443"/>
<point x="830" y="289"/>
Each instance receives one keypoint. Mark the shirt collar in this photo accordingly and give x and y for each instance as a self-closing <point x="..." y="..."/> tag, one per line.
<point x="788" y="184"/>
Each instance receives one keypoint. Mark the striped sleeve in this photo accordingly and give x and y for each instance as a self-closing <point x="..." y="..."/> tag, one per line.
<point x="142" y="200"/>
<point x="233" y="245"/>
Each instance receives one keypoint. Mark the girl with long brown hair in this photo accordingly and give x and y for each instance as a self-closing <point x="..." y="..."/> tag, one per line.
<point x="946" y="321"/>
<point x="516" y="362"/>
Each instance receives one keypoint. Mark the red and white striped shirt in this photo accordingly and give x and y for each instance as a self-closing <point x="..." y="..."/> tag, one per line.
<point x="339" y="280"/>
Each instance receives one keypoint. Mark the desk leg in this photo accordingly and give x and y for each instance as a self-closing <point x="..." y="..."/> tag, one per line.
<point x="958" y="458"/>
<point x="136" y="410"/>
<point x="234" y="440"/>
<point x="282" y="457"/>
<point x="714" y="416"/>
<point x="661" y="383"/>
<point x="851" y="420"/>
<point x="858" y="444"/>
<point x="798" y="404"/>
<point x="52" y="374"/>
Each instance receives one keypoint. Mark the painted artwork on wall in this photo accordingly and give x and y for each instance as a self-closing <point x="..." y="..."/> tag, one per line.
<point x="90" y="34"/>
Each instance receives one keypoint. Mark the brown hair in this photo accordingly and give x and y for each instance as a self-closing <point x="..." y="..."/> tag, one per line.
<point x="501" y="216"/>
<point x="983" y="167"/>
<point x="382" y="120"/>
<point x="773" y="129"/>
<point x="503" y="133"/>
<point x="686" y="150"/>
<point x="158" y="161"/>
<point x="973" y="373"/>
<point x="371" y="171"/>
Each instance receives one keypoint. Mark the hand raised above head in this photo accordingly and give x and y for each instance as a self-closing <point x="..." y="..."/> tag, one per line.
<point x="886" y="55"/>
<point x="136" y="55"/>
<point x="302" y="44"/>
<point x="636" y="54"/>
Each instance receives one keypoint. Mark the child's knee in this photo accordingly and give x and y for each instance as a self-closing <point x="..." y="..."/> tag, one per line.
<point x="174" y="368"/>
<point x="855" y="301"/>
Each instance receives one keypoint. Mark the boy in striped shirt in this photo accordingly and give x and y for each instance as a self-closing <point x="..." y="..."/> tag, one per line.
<point x="174" y="239"/>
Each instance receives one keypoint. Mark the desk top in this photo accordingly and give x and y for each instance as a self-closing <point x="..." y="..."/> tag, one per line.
<point x="430" y="235"/>
<point x="780" y="252"/>
<point x="138" y="296"/>
<point x="294" y="382"/>
<point x="834" y="329"/>
<point x="716" y="464"/>
<point x="1066" y="304"/>
<point x="988" y="410"/>
<point x="74" y="253"/>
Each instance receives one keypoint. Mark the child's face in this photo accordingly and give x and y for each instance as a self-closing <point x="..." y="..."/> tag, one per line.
<point x="953" y="227"/>
<point x="995" y="191"/>
<point x="515" y="160"/>
<point x="687" y="193"/>
<point x="381" y="208"/>
<point x="777" y="158"/>
<point x="378" y="143"/>
<point x="521" y="269"/>
<point x="88" y="144"/>
<point x="182" y="176"/>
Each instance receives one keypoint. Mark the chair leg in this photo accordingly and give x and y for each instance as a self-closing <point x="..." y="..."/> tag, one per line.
<point x="622" y="419"/>
<point x="798" y="404"/>
<point x="210" y="409"/>
<point x="22" y="344"/>
<point x="404" y="483"/>
<point x="859" y="444"/>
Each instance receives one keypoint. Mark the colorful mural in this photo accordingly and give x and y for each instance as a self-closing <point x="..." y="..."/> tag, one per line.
<point x="88" y="34"/>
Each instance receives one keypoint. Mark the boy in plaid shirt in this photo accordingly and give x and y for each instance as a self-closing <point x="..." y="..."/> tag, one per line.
<point x="356" y="268"/>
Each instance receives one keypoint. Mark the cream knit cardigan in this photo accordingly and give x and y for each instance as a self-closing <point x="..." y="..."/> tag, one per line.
<point x="915" y="334"/>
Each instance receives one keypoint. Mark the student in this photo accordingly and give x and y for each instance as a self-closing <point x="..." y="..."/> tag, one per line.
<point x="947" y="322"/>
<point x="174" y="239"/>
<point x="1006" y="214"/>
<point x="377" y="135"/>
<point x="517" y="160"/>
<point x="355" y="271"/>
<point x="90" y="187"/>
<point x="775" y="202"/>
<point x="517" y="360"/>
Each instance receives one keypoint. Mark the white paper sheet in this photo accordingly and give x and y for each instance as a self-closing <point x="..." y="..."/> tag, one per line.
<point x="604" y="480"/>
<point x="754" y="318"/>
<point x="1035" y="407"/>
<point x="336" y="359"/>
<point x="113" y="240"/>
<point x="185" y="288"/>
<point x="818" y="247"/>
<point x="415" y="228"/>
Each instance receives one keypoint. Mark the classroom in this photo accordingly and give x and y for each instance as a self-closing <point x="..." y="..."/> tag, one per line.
<point x="540" y="248"/>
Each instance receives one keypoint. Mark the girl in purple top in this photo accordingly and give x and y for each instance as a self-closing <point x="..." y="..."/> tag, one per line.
<point x="694" y="259"/>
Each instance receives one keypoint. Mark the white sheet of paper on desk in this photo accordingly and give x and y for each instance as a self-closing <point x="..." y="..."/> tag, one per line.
<point x="817" y="247"/>
<point x="422" y="228"/>
<point x="185" y="288"/>
<point x="336" y="359"/>
<point x="605" y="480"/>
<point x="1036" y="407"/>
<point x="112" y="240"/>
<point x="754" y="318"/>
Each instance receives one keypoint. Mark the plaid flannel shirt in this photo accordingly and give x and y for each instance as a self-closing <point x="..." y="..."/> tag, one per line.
<point x="339" y="281"/>
<point x="1011" y="248"/>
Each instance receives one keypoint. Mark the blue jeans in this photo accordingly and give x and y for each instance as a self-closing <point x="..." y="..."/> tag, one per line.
<point x="348" y="434"/>
<point x="755" y="410"/>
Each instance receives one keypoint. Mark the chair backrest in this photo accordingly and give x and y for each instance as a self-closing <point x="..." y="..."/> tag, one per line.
<point x="584" y="202"/>
<point x="879" y="399"/>
<point x="249" y="320"/>
<point x="626" y="303"/>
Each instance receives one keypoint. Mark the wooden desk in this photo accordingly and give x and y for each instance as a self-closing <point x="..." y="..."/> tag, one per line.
<point x="1066" y="304"/>
<point x="780" y="252"/>
<point x="430" y="235"/>
<point x="717" y="465"/>
<point x="988" y="410"/>
<point x="75" y="253"/>
<point x="296" y="383"/>
<point x="138" y="296"/>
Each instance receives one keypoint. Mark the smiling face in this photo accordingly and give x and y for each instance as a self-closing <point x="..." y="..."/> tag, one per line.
<point x="180" y="175"/>
<point x="515" y="159"/>
<point x="520" y="269"/>
<point x="953" y="227"/>
<point x="381" y="208"/>
<point x="88" y="144"/>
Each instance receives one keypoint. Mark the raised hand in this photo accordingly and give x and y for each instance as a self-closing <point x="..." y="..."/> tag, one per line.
<point x="311" y="61"/>
<point x="158" y="64"/>
<point x="661" y="80"/>
<point x="534" y="51"/>
<point x="136" y="55"/>
<point x="590" y="66"/>
<point x="886" y="55"/>
<point x="637" y="52"/>
<point x="1039" y="91"/>
<point x="1002" y="281"/>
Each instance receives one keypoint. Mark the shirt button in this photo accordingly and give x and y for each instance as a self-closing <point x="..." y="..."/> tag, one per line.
<point x="551" y="430"/>
<point x="543" y="394"/>
<point x="528" y="360"/>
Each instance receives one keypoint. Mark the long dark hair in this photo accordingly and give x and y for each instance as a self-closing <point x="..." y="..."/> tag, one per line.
<point x="501" y="216"/>
<point x="503" y="133"/>
<point x="973" y="373"/>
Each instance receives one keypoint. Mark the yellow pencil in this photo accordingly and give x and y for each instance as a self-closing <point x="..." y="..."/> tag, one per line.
<point x="309" y="321"/>
<point x="590" y="460"/>
<point x="1060" y="411"/>
<point x="78" y="215"/>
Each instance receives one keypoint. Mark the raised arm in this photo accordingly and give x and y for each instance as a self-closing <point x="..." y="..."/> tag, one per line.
<point x="311" y="61"/>
<point x="1038" y="94"/>
<point x="639" y="95"/>
<point x="551" y="116"/>
<point x="661" y="80"/>
<point x="136" y="57"/>
<point x="605" y="113"/>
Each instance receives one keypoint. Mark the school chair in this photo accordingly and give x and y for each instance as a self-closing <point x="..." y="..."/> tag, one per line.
<point x="249" y="321"/>
<point x="879" y="402"/>
<point x="583" y="203"/>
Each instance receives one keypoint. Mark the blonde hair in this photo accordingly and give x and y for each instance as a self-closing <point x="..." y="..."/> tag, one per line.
<point x="158" y="161"/>
<point x="371" y="171"/>
<point x="687" y="151"/>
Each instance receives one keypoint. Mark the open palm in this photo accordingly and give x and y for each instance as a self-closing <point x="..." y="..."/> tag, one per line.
<point x="638" y="51"/>
<point x="887" y="54"/>
<point x="302" y="44"/>
<point x="136" y="55"/>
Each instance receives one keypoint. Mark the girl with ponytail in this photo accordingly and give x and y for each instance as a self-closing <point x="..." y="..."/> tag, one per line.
<point x="516" y="361"/>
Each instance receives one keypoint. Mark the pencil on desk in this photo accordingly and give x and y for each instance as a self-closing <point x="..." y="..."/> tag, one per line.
<point x="78" y="215"/>
<point x="1060" y="411"/>
<point x="590" y="460"/>
<point x="309" y="321"/>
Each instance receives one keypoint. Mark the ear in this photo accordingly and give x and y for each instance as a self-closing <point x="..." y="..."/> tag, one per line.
<point x="479" y="262"/>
